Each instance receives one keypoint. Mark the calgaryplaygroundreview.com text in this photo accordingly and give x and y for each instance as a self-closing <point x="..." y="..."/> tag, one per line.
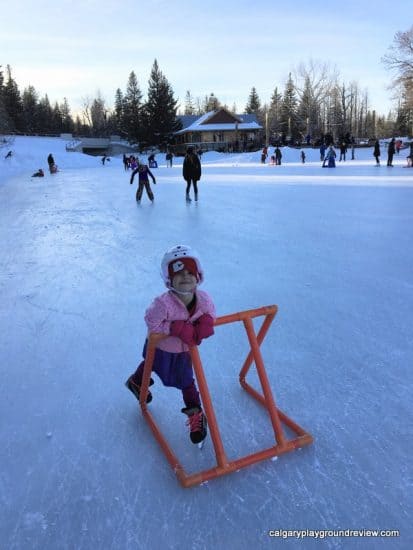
<point x="331" y="533"/>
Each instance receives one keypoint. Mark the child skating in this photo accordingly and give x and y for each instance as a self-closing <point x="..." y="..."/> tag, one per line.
<point x="144" y="174"/>
<point x="185" y="315"/>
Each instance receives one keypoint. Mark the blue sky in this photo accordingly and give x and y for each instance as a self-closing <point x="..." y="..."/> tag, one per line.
<point x="73" y="49"/>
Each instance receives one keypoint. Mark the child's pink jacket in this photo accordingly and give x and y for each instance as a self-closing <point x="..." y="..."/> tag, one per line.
<point x="167" y="308"/>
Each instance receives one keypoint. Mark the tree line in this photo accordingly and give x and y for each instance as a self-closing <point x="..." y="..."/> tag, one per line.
<point x="314" y="103"/>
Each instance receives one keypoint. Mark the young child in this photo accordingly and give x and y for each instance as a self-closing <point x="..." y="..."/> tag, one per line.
<point x="144" y="174"/>
<point x="186" y="316"/>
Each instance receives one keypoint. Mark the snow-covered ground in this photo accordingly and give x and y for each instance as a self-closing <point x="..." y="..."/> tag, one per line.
<point x="80" y="468"/>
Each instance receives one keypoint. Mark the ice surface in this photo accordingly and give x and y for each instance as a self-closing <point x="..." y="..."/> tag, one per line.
<point x="80" y="468"/>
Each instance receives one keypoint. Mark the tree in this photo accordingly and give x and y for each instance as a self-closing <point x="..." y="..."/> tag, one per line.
<point x="189" y="104"/>
<point x="13" y="102"/>
<point x="274" y="114"/>
<point x="6" y="124"/>
<point x="132" y="110"/>
<point x="119" y="111"/>
<point x="67" y="120"/>
<point x="30" y="101"/>
<point x="400" y="60"/>
<point x="253" y="105"/>
<point x="160" y="108"/>
<point x="289" y="115"/>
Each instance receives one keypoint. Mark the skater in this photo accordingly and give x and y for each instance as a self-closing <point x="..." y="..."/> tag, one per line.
<point x="278" y="156"/>
<point x="169" y="156"/>
<point x="376" y="152"/>
<point x="330" y="158"/>
<point x="390" y="152"/>
<point x="38" y="174"/>
<point x="9" y="155"/>
<point x="264" y="155"/>
<point x="322" y="152"/>
<point x="191" y="170"/>
<point x="185" y="315"/>
<point x="302" y="157"/>
<point x="50" y="162"/>
<point x="152" y="161"/>
<point x="143" y="172"/>
<point x="343" y="151"/>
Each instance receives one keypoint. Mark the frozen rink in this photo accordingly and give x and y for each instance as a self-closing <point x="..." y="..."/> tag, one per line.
<point x="80" y="469"/>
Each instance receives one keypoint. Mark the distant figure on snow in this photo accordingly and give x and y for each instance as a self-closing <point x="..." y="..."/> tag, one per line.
<point x="38" y="174"/>
<point x="278" y="156"/>
<point x="144" y="174"/>
<point x="376" y="152"/>
<point x="191" y="171"/>
<point x="9" y="155"/>
<point x="169" y="156"/>
<point x="302" y="157"/>
<point x="152" y="161"/>
<point x="390" y="152"/>
<point x="330" y="158"/>
<point x="343" y="151"/>
<point x="50" y="161"/>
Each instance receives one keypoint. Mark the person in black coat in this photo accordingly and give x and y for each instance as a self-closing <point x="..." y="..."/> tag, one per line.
<point x="376" y="152"/>
<point x="390" y="152"/>
<point x="191" y="170"/>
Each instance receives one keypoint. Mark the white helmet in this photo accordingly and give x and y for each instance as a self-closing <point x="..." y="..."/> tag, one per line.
<point x="175" y="253"/>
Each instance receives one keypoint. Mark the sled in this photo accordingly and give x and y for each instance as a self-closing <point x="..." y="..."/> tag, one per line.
<point x="223" y="465"/>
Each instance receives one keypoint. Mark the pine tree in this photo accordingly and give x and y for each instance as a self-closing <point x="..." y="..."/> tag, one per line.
<point x="13" y="102"/>
<point x="290" y="129"/>
<point x="30" y="101"/>
<point x="132" y="110"/>
<point x="274" y="114"/>
<point x="160" y="108"/>
<point x="118" y="114"/>
<point x="67" y="120"/>
<point x="254" y="104"/>
<point x="5" y="122"/>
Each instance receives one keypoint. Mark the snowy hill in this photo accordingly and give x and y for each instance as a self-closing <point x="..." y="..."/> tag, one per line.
<point x="80" y="264"/>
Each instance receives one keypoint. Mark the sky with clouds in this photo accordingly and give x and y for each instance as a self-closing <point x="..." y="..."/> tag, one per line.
<point x="75" y="49"/>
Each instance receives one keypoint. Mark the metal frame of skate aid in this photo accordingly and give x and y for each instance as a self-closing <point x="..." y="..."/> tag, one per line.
<point x="277" y="417"/>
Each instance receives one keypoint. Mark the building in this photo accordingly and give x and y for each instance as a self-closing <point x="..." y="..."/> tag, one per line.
<point x="218" y="130"/>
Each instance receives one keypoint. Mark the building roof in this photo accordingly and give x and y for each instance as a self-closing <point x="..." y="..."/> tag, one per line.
<point x="196" y="123"/>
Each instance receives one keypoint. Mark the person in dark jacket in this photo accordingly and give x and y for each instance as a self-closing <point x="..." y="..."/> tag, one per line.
<point x="191" y="170"/>
<point x="278" y="156"/>
<point x="390" y="152"/>
<point x="376" y="152"/>
<point x="144" y="174"/>
<point x="50" y="162"/>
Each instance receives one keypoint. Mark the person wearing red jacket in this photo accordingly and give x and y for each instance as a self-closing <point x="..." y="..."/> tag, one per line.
<point x="186" y="316"/>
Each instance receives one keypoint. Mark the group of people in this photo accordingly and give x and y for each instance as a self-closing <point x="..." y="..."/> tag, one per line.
<point x="52" y="168"/>
<point x="191" y="171"/>
<point x="392" y="149"/>
<point x="275" y="157"/>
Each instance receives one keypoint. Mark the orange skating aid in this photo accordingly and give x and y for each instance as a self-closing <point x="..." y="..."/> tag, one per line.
<point x="277" y="417"/>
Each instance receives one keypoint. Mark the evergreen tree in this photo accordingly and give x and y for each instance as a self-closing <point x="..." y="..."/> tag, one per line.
<point x="289" y="115"/>
<point x="13" y="102"/>
<point x="274" y="114"/>
<point x="98" y="115"/>
<point x="160" y="108"/>
<point x="67" y="120"/>
<point x="30" y="110"/>
<point x="5" y="122"/>
<point x="118" y="115"/>
<point x="45" y="115"/>
<point x="132" y="110"/>
<point x="254" y="104"/>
